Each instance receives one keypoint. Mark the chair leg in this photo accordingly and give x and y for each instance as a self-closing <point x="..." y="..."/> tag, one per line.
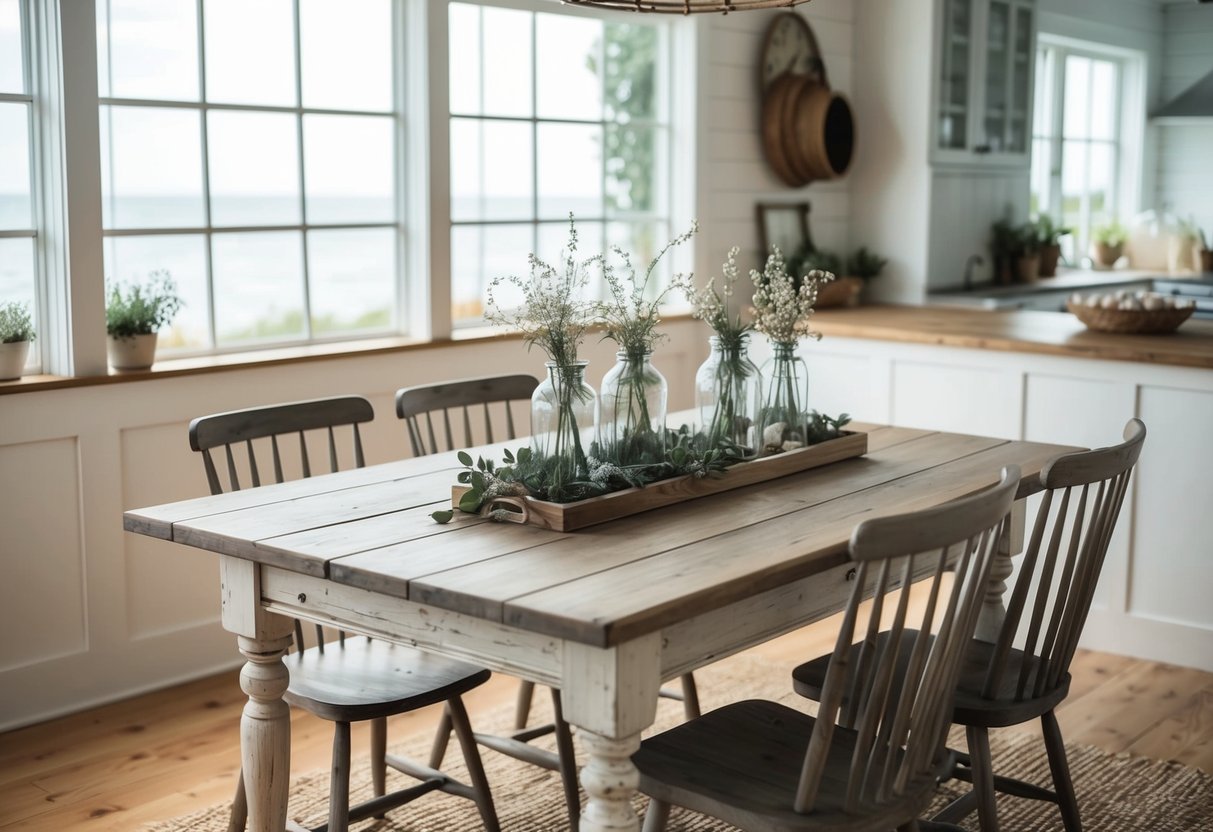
<point x="690" y="697"/>
<point x="656" y="817"/>
<point x="1067" y="801"/>
<point x="568" y="763"/>
<point x="379" y="758"/>
<point x="442" y="738"/>
<point x="471" y="757"/>
<point x="239" y="815"/>
<point x="522" y="708"/>
<point x="983" y="777"/>
<point x="339" y="780"/>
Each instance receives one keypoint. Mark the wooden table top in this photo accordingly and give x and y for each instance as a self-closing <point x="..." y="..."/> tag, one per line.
<point x="1049" y="333"/>
<point x="370" y="528"/>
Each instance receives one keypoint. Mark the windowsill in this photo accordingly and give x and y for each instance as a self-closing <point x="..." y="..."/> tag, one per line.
<point x="201" y="365"/>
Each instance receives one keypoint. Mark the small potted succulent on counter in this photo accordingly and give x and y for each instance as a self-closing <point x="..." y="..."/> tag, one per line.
<point x="1108" y="243"/>
<point x="1048" y="234"/>
<point x="134" y="315"/>
<point x="16" y="334"/>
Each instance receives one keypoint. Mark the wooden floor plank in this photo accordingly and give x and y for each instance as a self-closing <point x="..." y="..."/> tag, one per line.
<point x="1185" y="736"/>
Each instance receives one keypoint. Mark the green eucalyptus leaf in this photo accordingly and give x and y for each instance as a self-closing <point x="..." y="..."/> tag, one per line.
<point x="524" y="456"/>
<point x="465" y="459"/>
<point x="464" y="477"/>
<point x="507" y="456"/>
<point x="470" y="501"/>
<point x="478" y="481"/>
<point x="442" y="517"/>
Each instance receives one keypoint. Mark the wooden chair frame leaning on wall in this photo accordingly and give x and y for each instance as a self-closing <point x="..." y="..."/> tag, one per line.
<point x="1001" y="684"/>
<point x="355" y="679"/>
<point x="764" y="767"/>
<point x="427" y="413"/>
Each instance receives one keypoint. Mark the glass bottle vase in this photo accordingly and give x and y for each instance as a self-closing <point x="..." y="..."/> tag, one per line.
<point x="632" y="411"/>
<point x="784" y="416"/>
<point x="564" y="409"/>
<point x="728" y="396"/>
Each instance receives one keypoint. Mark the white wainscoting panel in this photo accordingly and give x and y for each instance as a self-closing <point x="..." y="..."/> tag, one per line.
<point x="42" y="605"/>
<point x="981" y="400"/>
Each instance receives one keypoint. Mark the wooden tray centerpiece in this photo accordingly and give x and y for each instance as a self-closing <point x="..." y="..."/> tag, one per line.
<point x="567" y="517"/>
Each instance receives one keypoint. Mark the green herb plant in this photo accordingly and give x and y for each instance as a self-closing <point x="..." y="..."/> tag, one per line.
<point x="865" y="264"/>
<point x="16" y="324"/>
<point x="141" y="309"/>
<point x="1111" y="234"/>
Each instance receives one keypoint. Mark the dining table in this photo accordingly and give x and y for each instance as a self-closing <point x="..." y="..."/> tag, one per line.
<point x="604" y="614"/>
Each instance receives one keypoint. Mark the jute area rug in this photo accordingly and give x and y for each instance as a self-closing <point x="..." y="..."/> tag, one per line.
<point x="1115" y="792"/>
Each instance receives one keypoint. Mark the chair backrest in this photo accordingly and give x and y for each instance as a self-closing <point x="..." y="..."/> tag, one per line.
<point x="238" y="428"/>
<point x="897" y="684"/>
<point x="418" y="407"/>
<point x="1065" y="553"/>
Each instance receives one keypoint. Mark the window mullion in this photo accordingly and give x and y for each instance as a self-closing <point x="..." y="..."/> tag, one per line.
<point x="204" y="117"/>
<point x="303" y="241"/>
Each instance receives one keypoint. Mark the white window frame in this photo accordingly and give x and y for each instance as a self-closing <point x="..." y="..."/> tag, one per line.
<point x="1128" y="142"/>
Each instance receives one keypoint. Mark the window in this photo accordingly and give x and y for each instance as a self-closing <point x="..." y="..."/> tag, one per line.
<point x="552" y="113"/>
<point x="18" y="229"/>
<point x="1078" y="157"/>
<point x="252" y="150"/>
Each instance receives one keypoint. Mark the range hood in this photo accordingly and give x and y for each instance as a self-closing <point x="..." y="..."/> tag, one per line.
<point x="1194" y="103"/>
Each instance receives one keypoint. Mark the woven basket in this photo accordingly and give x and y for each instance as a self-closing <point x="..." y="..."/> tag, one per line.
<point x="842" y="291"/>
<point x="1145" y="322"/>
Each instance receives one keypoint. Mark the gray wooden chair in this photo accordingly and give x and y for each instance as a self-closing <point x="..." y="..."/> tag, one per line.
<point x="354" y="679"/>
<point x="1025" y="674"/>
<point x="764" y="767"/>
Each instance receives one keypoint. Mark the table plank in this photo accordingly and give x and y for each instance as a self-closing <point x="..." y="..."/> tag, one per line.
<point x="484" y="587"/>
<point x="644" y="595"/>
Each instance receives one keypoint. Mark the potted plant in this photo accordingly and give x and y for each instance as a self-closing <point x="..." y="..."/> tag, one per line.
<point x="16" y="334"/>
<point x="839" y="292"/>
<point x="1109" y="243"/>
<point x="1027" y="253"/>
<point x="1004" y="247"/>
<point x="1048" y="235"/>
<point x="134" y="315"/>
<point x="864" y="265"/>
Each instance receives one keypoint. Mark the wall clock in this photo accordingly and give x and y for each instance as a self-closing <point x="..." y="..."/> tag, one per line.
<point x="790" y="47"/>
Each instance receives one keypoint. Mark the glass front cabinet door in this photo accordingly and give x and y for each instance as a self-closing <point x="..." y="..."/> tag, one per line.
<point x="984" y="81"/>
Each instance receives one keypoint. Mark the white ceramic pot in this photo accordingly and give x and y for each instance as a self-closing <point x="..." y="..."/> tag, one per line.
<point x="137" y="352"/>
<point x="12" y="359"/>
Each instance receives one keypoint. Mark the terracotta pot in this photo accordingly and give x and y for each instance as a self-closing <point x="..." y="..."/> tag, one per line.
<point x="12" y="359"/>
<point x="1049" y="257"/>
<point x="138" y="352"/>
<point x="842" y="291"/>
<point x="1206" y="260"/>
<point x="1027" y="267"/>
<point x="1004" y="271"/>
<point x="1106" y="255"/>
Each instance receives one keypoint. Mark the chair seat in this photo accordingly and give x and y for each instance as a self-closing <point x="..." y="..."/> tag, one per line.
<point x="368" y="679"/>
<point x="969" y="707"/>
<point x="741" y="763"/>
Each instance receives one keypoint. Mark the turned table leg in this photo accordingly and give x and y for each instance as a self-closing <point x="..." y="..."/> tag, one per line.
<point x="610" y="779"/>
<point x="993" y="610"/>
<point x="265" y="732"/>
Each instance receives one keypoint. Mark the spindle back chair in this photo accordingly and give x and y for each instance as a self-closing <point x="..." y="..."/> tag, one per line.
<point x="421" y="406"/>
<point x="879" y="771"/>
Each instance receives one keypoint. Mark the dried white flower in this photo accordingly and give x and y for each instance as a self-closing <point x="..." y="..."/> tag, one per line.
<point x="781" y="311"/>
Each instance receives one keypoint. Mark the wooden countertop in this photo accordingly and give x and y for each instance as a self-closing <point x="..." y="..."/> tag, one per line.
<point x="1051" y="333"/>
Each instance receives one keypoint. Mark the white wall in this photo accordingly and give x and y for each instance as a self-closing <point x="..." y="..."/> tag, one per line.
<point x="1185" y="170"/>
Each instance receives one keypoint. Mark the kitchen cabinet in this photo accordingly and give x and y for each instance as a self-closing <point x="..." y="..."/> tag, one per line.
<point x="983" y="82"/>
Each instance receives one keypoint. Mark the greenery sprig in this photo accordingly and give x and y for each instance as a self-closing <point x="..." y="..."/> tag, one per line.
<point x="141" y="309"/>
<point x="712" y="305"/>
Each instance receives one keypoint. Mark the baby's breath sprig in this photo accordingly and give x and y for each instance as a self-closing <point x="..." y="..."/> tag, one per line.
<point x="781" y="311"/>
<point x="711" y="304"/>
<point x="632" y="311"/>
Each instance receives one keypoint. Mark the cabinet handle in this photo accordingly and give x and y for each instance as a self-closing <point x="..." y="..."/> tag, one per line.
<point x="982" y="148"/>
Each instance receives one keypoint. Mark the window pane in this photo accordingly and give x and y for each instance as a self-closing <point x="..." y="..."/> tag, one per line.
<point x="478" y="254"/>
<point x="1077" y="97"/>
<point x="554" y="236"/>
<point x="507" y="62"/>
<point x="1041" y="200"/>
<point x="1102" y="181"/>
<point x="464" y="57"/>
<point x="1104" y="96"/>
<point x="569" y="56"/>
<point x="635" y="169"/>
<point x="631" y="71"/>
<point x="353" y="279"/>
<point x="254" y="168"/>
<point x="642" y="241"/>
<point x="1073" y="186"/>
<point x="349" y="168"/>
<point x="491" y="170"/>
<point x="250" y="52"/>
<point x="347" y="54"/>
<point x="153" y="178"/>
<point x="570" y="176"/>
<point x="258" y="286"/>
<point x="17" y="271"/>
<point x="11" y="55"/>
<point x="15" y="203"/>
<point x="132" y="259"/>
<point x="147" y="49"/>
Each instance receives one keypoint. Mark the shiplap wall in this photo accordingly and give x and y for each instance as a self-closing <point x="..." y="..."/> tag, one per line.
<point x="735" y="174"/>
<point x="1185" y="170"/>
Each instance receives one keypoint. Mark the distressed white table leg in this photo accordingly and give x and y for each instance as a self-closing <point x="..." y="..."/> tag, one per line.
<point x="265" y="728"/>
<point x="993" y="610"/>
<point x="611" y="695"/>
<point x="610" y="780"/>
<point x="265" y="732"/>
